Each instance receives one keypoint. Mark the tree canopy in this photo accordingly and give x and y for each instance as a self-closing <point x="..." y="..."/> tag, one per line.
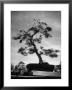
<point x="39" y="29"/>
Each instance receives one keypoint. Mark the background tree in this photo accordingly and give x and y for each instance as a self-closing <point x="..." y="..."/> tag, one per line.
<point x="22" y="68"/>
<point x="58" y="68"/>
<point x="16" y="70"/>
<point x="12" y="69"/>
<point x="34" y="35"/>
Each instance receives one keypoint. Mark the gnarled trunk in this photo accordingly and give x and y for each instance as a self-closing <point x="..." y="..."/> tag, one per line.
<point x="36" y="51"/>
<point x="39" y="56"/>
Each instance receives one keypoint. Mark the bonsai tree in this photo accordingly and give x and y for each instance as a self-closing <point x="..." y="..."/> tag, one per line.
<point x="34" y="36"/>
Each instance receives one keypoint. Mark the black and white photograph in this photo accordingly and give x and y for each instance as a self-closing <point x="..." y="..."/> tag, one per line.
<point x="35" y="45"/>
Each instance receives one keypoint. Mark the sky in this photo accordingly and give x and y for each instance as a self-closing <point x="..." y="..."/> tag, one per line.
<point x="24" y="20"/>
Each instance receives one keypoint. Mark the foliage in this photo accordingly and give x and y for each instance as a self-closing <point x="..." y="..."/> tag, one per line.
<point x="20" y="70"/>
<point x="12" y="67"/>
<point x="58" y="68"/>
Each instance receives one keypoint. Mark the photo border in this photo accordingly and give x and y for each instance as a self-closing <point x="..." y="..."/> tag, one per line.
<point x="2" y="28"/>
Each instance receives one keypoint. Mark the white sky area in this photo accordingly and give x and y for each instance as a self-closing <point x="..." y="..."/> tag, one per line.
<point x="24" y="20"/>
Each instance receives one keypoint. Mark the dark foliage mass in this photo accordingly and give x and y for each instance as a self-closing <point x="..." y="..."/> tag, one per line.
<point x="20" y="70"/>
<point x="26" y="70"/>
<point x="41" y="29"/>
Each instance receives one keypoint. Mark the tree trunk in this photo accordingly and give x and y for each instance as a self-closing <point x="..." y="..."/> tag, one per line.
<point x="39" y="56"/>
